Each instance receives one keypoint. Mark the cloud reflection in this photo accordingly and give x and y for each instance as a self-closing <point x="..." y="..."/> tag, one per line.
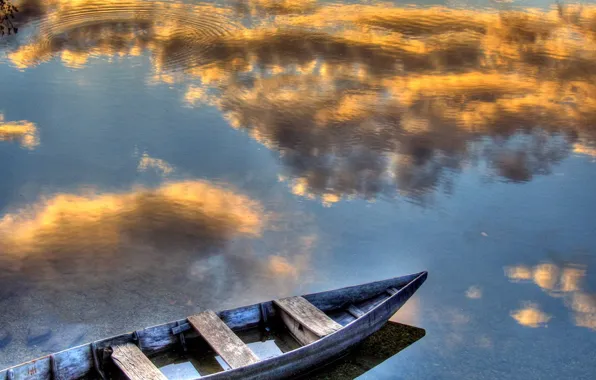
<point x="174" y="214"/>
<point x="158" y="165"/>
<point x="560" y="281"/>
<point x="78" y="31"/>
<point x="192" y="233"/>
<point x="530" y="316"/>
<point x="143" y="256"/>
<point x="584" y="149"/>
<point x="268" y="7"/>
<point x="25" y="132"/>
<point x="474" y="292"/>
<point x="360" y="100"/>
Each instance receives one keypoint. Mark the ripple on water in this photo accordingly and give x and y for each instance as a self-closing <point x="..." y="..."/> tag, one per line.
<point x="175" y="34"/>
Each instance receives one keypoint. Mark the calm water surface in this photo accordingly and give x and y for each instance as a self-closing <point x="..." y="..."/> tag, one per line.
<point x="158" y="158"/>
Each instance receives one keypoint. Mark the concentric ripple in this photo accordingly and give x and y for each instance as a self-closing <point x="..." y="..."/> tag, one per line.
<point x="177" y="35"/>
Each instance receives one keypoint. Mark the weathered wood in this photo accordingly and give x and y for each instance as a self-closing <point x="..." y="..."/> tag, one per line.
<point x="135" y="365"/>
<point x="372" y="298"/>
<point x="135" y="338"/>
<point x="152" y="339"/>
<point x="221" y="338"/>
<point x="182" y="338"/>
<point x="74" y="363"/>
<point x="301" y="334"/>
<point x="264" y="315"/>
<point x="335" y="299"/>
<point x="53" y="367"/>
<point x="113" y="341"/>
<point x="308" y="316"/>
<point x="369" y="304"/>
<point x="96" y="362"/>
<point x="342" y="317"/>
<point x="324" y="350"/>
<point x="38" y="369"/>
<point x="181" y="328"/>
<point x="355" y="311"/>
<point x="241" y="318"/>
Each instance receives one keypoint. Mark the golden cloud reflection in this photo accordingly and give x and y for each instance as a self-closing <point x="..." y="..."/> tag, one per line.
<point x="174" y="214"/>
<point x="561" y="281"/>
<point x="360" y="100"/>
<point x="548" y="276"/>
<point x="23" y="131"/>
<point x="193" y="233"/>
<point x="160" y="166"/>
<point x="256" y="7"/>
<point x="530" y="316"/>
<point x="587" y="150"/>
<point x="117" y="249"/>
<point x="79" y="30"/>
<point x="474" y="292"/>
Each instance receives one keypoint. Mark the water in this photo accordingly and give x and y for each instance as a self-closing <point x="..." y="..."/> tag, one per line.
<point x="159" y="158"/>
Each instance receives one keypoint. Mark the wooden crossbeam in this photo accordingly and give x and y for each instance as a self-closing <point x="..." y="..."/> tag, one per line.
<point x="135" y="365"/>
<point x="299" y="314"/>
<point x="222" y="339"/>
<point x="355" y="311"/>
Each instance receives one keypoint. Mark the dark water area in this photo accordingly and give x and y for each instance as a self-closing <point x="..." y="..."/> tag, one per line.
<point x="159" y="158"/>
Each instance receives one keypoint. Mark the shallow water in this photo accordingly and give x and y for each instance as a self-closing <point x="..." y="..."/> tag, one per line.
<point x="160" y="158"/>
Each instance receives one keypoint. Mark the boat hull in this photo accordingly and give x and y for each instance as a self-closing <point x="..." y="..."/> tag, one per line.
<point x="308" y="357"/>
<point x="80" y="362"/>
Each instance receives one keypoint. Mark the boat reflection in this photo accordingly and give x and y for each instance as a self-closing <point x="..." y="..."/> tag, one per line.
<point x="385" y="343"/>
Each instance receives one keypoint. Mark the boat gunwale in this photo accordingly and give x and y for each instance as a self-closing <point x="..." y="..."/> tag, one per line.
<point x="129" y="335"/>
<point x="343" y="329"/>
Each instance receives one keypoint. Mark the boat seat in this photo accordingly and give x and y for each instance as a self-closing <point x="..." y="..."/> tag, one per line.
<point x="222" y="339"/>
<point x="306" y="322"/>
<point x="135" y="365"/>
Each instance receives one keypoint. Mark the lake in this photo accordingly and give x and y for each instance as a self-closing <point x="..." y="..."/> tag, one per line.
<point x="158" y="158"/>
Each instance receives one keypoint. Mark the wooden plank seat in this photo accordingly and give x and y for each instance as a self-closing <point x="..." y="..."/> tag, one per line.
<point x="307" y="323"/>
<point x="222" y="339"/>
<point x="135" y="365"/>
<point x="355" y="311"/>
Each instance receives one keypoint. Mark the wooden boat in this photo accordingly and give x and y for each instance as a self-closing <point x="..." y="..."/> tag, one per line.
<point x="325" y="324"/>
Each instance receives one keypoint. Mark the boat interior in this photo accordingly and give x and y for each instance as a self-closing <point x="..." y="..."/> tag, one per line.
<point x="199" y="345"/>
